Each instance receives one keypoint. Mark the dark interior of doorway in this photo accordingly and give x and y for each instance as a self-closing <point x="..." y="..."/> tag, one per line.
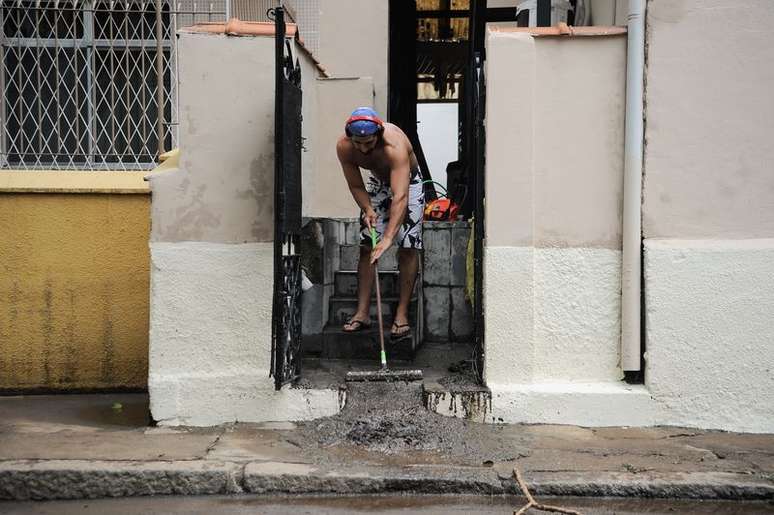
<point x="433" y="42"/>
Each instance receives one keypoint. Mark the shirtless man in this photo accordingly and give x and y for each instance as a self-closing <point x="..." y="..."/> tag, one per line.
<point x="392" y="203"/>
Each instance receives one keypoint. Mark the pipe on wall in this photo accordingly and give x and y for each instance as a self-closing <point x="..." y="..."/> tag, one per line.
<point x="632" y="201"/>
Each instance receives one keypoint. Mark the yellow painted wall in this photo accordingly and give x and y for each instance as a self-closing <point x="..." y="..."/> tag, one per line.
<point x="74" y="284"/>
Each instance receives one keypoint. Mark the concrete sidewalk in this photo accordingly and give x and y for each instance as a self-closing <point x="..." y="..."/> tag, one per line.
<point x="86" y="446"/>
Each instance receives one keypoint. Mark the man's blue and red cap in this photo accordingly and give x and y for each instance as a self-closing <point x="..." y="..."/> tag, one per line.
<point x="363" y="121"/>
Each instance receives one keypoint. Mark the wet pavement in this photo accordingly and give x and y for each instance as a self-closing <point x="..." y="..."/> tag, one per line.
<point x="80" y="446"/>
<point x="385" y="505"/>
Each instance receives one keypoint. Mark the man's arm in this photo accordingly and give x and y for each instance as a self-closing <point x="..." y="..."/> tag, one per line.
<point x="355" y="182"/>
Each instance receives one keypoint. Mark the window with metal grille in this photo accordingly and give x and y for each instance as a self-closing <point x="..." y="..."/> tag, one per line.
<point x="90" y="84"/>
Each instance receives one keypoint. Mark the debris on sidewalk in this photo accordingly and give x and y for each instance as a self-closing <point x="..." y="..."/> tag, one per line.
<point x="391" y="418"/>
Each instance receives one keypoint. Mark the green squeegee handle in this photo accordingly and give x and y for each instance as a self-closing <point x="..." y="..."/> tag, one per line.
<point x="382" y="354"/>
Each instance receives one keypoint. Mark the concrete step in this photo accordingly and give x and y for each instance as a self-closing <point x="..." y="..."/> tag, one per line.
<point x="342" y="309"/>
<point x="338" y="344"/>
<point x="350" y="255"/>
<point x="346" y="284"/>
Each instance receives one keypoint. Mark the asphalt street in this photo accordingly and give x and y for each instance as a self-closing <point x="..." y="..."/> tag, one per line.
<point x="384" y="505"/>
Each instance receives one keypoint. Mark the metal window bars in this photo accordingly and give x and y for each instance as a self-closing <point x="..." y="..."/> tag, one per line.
<point x="91" y="84"/>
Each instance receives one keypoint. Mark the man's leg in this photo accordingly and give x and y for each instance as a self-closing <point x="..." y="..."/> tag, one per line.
<point x="377" y="193"/>
<point x="409" y="242"/>
<point x="365" y="279"/>
<point x="408" y="266"/>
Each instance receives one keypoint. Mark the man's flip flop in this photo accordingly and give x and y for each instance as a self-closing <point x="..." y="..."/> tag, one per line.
<point x="356" y="326"/>
<point x="398" y="335"/>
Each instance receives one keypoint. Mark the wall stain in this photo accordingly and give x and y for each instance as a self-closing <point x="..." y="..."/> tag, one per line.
<point x="192" y="128"/>
<point x="185" y="183"/>
<point x="108" y="343"/>
<point x="71" y="364"/>
<point x="7" y="372"/>
<point x="193" y="218"/>
<point x="668" y="11"/>
<point x="47" y="326"/>
<point x="57" y="258"/>
<point x="14" y="303"/>
<point x="262" y="190"/>
<point x="450" y="328"/>
<point x="726" y="190"/>
<point x="469" y="405"/>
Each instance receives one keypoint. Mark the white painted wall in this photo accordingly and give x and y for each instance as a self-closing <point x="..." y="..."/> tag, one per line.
<point x="223" y="190"/>
<point x="552" y="267"/>
<point x="325" y="190"/>
<point x="710" y="346"/>
<point x="211" y="338"/>
<point x="554" y="178"/>
<point x="608" y="12"/>
<point x="437" y="129"/>
<point x="354" y="42"/>
<point x="211" y="247"/>
<point x="708" y="164"/>
<point x="554" y="158"/>
<point x="708" y="213"/>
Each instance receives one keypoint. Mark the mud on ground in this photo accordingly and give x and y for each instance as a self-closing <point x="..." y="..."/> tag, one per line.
<point x="390" y="418"/>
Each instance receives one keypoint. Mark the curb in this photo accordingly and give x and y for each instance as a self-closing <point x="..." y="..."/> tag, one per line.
<point x="285" y="478"/>
<point x="668" y="485"/>
<point x="78" y="479"/>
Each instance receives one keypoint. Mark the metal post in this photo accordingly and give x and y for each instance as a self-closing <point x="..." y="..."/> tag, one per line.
<point x="631" y="292"/>
<point x="277" y="361"/>
<point x="3" y="114"/>
<point x="20" y="115"/>
<point x="159" y="78"/>
<point x="478" y="86"/>
<point x="58" y="116"/>
<point x="279" y="63"/>
<point x="127" y="93"/>
<point x="38" y="74"/>
<point x="89" y="37"/>
<point x="174" y="9"/>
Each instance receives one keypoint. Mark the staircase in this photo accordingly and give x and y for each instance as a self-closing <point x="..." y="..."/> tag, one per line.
<point x="364" y="344"/>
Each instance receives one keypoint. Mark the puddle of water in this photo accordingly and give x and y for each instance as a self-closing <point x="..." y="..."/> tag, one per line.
<point x="438" y="504"/>
<point x="382" y="504"/>
<point x="123" y="414"/>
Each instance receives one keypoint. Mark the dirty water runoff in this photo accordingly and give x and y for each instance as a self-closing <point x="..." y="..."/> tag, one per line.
<point x="385" y="505"/>
<point x="390" y="418"/>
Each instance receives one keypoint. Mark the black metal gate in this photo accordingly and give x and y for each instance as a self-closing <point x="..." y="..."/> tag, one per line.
<point x="478" y="144"/>
<point x="474" y="138"/>
<point x="286" y="311"/>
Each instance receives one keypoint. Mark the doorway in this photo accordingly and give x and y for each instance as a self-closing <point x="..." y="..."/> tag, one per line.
<point x="430" y="66"/>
